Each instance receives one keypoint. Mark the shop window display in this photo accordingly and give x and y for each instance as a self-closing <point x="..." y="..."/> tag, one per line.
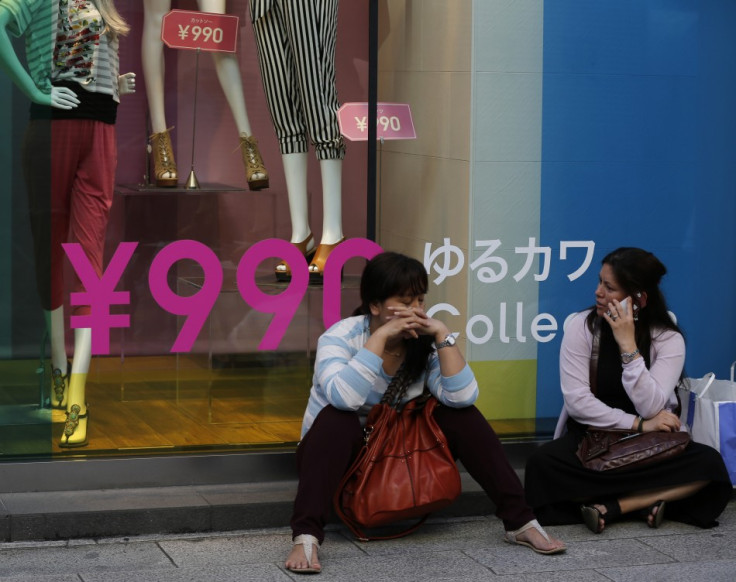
<point x="224" y="393"/>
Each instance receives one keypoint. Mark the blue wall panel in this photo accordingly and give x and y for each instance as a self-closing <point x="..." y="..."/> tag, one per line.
<point x="638" y="149"/>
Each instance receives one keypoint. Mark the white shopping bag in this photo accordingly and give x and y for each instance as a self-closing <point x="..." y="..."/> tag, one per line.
<point x="709" y="411"/>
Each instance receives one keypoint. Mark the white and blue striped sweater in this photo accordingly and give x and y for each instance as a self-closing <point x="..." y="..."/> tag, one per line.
<point x="350" y="377"/>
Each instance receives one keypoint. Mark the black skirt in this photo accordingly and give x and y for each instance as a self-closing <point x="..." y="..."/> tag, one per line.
<point x="557" y="484"/>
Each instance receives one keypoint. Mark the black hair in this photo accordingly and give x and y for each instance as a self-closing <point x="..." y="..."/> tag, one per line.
<point x="639" y="271"/>
<point x="389" y="274"/>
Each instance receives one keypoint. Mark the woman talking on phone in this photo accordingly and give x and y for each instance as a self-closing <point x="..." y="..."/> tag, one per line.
<point x="641" y="356"/>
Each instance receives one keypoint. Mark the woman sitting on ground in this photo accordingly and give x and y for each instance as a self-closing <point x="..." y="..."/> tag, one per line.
<point x="356" y="360"/>
<point x="640" y="362"/>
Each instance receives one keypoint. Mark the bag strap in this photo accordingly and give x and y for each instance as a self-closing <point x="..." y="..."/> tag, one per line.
<point x="594" y="353"/>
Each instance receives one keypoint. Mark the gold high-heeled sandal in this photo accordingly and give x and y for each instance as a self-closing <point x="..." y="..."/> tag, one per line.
<point x="255" y="171"/>
<point x="73" y="421"/>
<point x="283" y="271"/>
<point x="164" y="165"/>
<point x="317" y="266"/>
<point x="59" y="384"/>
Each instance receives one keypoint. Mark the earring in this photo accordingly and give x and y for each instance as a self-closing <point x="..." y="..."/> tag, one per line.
<point x="636" y="308"/>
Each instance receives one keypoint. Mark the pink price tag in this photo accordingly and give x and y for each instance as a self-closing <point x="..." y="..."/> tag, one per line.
<point x="393" y="121"/>
<point x="189" y="29"/>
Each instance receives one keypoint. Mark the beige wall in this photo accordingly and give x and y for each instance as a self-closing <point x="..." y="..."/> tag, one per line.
<point x="425" y="61"/>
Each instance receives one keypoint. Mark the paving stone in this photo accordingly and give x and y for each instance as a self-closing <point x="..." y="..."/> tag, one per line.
<point x="720" y="571"/>
<point x="251" y="573"/>
<point x="59" y="561"/>
<point x="579" y="555"/>
<point x="248" y="549"/>
<point x="704" y="546"/>
<point x="404" y="567"/>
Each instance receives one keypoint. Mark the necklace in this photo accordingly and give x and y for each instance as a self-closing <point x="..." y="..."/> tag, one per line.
<point x="394" y="354"/>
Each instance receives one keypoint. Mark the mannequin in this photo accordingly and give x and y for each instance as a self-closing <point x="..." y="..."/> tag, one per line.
<point x="69" y="158"/>
<point x="228" y="73"/>
<point x="298" y="72"/>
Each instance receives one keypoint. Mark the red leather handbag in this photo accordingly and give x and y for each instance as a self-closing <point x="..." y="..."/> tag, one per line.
<point x="405" y="470"/>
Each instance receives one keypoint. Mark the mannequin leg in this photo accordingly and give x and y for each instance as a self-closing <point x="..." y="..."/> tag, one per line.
<point x="295" y="171"/>
<point x="332" y="212"/>
<point x="75" y="428"/>
<point x="152" y="59"/>
<point x="60" y="366"/>
<point x="90" y="202"/>
<point x="228" y="73"/>
<point x="331" y="201"/>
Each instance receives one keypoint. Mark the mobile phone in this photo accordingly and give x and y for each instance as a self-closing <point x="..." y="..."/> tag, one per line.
<point x="626" y="301"/>
<point x="623" y="304"/>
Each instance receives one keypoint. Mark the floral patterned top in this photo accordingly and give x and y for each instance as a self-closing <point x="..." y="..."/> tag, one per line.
<point x="83" y="52"/>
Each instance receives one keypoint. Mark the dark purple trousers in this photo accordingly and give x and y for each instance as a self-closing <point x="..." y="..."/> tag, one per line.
<point x="334" y="439"/>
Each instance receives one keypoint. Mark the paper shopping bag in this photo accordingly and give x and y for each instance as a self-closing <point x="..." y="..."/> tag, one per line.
<point x="709" y="411"/>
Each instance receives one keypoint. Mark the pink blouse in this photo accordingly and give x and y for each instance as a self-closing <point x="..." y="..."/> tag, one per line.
<point x="651" y="390"/>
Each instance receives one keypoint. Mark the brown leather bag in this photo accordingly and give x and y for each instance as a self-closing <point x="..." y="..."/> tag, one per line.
<point x="405" y="470"/>
<point x="611" y="449"/>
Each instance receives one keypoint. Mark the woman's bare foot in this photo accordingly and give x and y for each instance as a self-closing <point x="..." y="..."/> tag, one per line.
<point x="303" y="558"/>
<point x="533" y="536"/>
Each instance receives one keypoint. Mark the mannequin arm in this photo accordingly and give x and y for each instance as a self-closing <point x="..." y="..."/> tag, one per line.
<point x="59" y="97"/>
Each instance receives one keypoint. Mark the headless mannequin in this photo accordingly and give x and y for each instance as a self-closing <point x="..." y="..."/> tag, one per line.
<point x="70" y="383"/>
<point x="228" y="73"/>
<point x="300" y="90"/>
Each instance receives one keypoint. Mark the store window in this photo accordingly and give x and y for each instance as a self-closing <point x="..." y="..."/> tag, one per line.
<point x="532" y="121"/>
<point x="189" y="371"/>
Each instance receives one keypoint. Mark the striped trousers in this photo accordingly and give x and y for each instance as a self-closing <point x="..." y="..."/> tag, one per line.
<point x="296" y="52"/>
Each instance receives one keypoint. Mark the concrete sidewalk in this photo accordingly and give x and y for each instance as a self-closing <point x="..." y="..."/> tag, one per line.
<point x="460" y="549"/>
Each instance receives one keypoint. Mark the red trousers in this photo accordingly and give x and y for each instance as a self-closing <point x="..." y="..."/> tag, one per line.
<point x="69" y="167"/>
<point x="335" y="437"/>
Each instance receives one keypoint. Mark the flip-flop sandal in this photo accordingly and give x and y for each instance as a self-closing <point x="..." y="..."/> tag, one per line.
<point x="308" y="542"/>
<point x="592" y="516"/>
<point x="657" y="517"/>
<point x="511" y="538"/>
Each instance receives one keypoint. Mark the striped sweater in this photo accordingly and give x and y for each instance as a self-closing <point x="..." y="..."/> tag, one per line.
<point x="350" y="377"/>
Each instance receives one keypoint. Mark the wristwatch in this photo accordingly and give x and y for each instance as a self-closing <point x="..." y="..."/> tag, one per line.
<point x="448" y="341"/>
<point x="628" y="357"/>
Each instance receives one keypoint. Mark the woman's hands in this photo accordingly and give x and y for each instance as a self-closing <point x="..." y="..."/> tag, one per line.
<point x="620" y="317"/>
<point x="663" y="421"/>
<point x="414" y="321"/>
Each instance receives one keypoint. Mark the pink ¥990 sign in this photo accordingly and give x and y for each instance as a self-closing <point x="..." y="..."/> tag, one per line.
<point x="393" y="121"/>
<point x="100" y="292"/>
<point x="189" y="29"/>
